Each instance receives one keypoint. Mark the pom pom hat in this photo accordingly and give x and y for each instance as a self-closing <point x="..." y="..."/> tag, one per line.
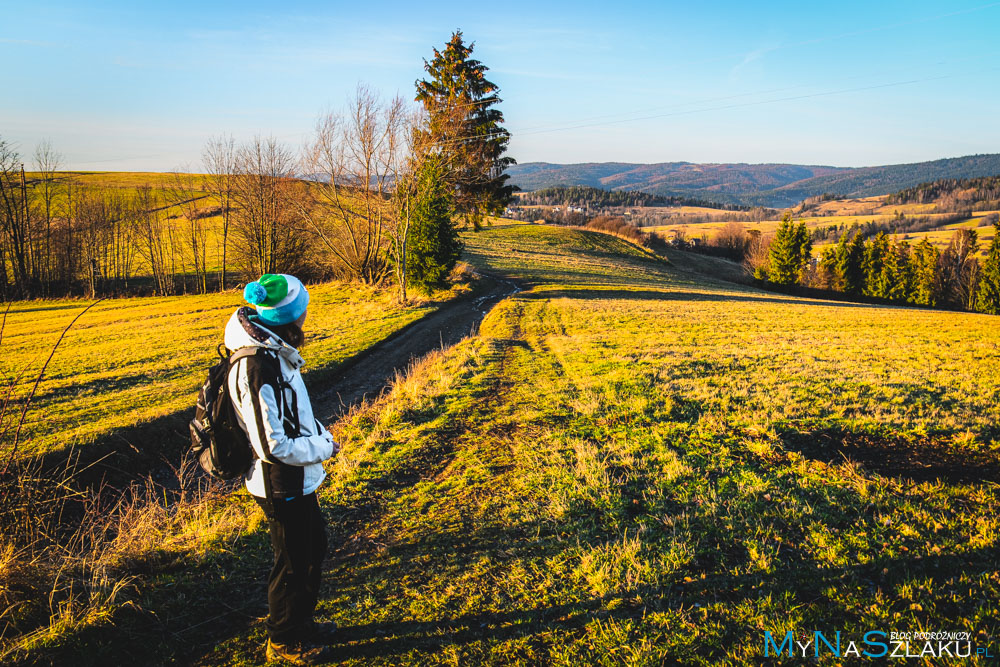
<point x="278" y="298"/>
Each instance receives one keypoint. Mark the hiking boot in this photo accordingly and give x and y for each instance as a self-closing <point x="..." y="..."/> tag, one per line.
<point x="323" y="632"/>
<point x="302" y="653"/>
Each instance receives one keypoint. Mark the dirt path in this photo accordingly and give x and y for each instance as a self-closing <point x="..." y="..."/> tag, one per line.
<point x="372" y="370"/>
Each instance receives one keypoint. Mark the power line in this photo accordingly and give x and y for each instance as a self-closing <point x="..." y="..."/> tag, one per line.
<point x="842" y="91"/>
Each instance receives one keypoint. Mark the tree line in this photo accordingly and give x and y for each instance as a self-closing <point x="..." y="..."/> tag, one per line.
<point x="585" y="196"/>
<point x="900" y="223"/>
<point x="951" y="193"/>
<point x="377" y="196"/>
<point x="884" y="268"/>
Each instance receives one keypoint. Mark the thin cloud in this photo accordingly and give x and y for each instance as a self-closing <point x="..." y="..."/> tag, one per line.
<point x="750" y="58"/>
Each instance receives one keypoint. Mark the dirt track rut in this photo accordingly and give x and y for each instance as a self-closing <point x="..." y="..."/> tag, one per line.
<point x="373" y="370"/>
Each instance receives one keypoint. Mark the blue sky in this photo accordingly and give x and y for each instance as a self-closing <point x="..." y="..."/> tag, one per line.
<point x="142" y="86"/>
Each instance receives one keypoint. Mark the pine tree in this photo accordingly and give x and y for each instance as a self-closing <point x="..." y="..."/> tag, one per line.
<point x="789" y="252"/>
<point x="902" y="280"/>
<point x="802" y="241"/>
<point x="434" y="247"/>
<point x="925" y="263"/>
<point x="988" y="294"/>
<point x="851" y="264"/>
<point x="467" y="128"/>
<point x="830" y="276"/>
<point x="876" y="250"/>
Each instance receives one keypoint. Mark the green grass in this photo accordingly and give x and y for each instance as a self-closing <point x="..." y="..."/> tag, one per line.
<point x="130" y="361"/>
<point x="631" y="465"/>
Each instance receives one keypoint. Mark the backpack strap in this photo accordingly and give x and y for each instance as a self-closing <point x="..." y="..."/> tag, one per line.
<point x="265" y="463"/>
<point x="242" y="353"/>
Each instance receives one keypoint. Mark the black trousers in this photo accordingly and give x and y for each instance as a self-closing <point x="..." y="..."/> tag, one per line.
<point x="298" y="535"/>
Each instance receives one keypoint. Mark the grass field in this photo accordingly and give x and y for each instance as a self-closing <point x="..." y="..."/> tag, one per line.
<point x="710" y="229"/>
<point x="870" y="206"/>
<point x="125" y="179"/>
<point x="129" y="361"/>
<point x="631" y="466"/>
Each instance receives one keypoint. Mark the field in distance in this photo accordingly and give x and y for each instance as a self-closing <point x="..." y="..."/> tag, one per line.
<point x="939" y="236"/>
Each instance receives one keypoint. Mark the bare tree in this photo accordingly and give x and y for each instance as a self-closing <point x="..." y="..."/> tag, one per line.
<point x="733" y="239"/>
<point x="266" y="195"/>
<point x="219" y="160"/>
<point x="106" y="220"/>
<point x="14" y="218"/>
<point x="758" y="251"/>
<point x="183" y="193"/>
<point x="47" y="162"/>
<point x="152" y="238"/>
<point x="409" y="163"/>
<point x="958" y="269"/>
<point x="355" y="156"/>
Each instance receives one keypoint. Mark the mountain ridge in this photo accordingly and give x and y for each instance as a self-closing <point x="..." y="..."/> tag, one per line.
<point x="768" y="184"/>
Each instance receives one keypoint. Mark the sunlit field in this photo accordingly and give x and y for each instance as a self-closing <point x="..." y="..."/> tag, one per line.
<point x="630" y="466"/>
<point x="129" y="361"/>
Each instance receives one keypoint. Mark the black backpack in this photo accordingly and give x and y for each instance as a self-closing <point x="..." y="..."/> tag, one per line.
<point x="222" y="448"/>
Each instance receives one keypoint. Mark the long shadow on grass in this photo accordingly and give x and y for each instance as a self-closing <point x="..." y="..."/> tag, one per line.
<point x="807" y="582"/>
<point x="181" y="612"/>
<point x="909" y="458"/>
<point x="668" y="294"/>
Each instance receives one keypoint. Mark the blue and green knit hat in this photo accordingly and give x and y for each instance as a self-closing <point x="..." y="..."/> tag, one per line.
<point x="278" y="298"/>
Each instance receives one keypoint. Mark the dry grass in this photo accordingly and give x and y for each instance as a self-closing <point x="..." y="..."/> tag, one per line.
<point x="73" y="559"/>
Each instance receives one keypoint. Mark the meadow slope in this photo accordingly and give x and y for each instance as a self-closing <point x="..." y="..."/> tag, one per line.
<point x="632" y="465"/>
<point x="130" y="361"/>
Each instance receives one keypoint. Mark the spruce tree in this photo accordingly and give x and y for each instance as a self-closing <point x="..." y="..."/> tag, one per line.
<point x="802" y="241"/>
<point x="901" y="281"/>
<point x="925" y="268"/>
<point x="876" y="250"/>
<point x="434" y="247"/>
<point x="828" y="269"/>
<point x="467" y="128"/>
<point x="839" y="260"/>
<point x="851" y="265"/>
<point x="784" y="258"/>
<point x="988" y="294"/>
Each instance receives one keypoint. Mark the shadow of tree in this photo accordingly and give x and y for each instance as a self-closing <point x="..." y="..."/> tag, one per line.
<point x="914" y="459"/>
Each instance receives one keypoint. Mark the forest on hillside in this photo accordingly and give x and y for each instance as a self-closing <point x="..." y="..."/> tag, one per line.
<point x="588" y="197"/>
<point x="952" y="194"/>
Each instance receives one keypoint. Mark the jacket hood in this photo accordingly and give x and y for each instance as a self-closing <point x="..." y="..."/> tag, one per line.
<point x="242" y="331"/>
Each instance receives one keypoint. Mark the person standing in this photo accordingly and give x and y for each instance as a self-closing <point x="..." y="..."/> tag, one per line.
<point x="290" y="444"/>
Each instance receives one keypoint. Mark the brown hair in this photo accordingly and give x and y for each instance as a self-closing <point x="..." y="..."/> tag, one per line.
<point x="291" y="333"/>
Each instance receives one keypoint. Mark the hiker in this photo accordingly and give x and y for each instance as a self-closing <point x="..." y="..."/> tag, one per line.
<point x="290" y="444"/>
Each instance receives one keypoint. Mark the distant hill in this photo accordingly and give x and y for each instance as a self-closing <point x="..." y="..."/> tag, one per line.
<point x="751" y="184"/>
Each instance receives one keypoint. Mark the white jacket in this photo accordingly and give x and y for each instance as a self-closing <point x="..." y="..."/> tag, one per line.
<point x="268" y="394"/>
